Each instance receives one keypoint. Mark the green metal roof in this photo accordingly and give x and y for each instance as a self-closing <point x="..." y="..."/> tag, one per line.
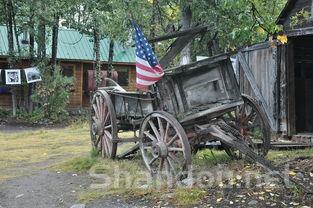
<point x="72" y="45"/>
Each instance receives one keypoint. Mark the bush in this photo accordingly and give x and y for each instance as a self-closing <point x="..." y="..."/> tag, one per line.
<point x="33" y="117"/>
<point x="52" y="94"/>
<point x="4" y="113"/>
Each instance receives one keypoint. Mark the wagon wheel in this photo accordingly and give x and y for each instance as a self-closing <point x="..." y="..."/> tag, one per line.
<point x="250" y="121"/>
<point x="103" y="129"/>
<point x="164" y="145"/>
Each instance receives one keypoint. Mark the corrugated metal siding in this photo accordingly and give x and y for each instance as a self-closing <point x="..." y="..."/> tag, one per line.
<point x="73" y="45"/>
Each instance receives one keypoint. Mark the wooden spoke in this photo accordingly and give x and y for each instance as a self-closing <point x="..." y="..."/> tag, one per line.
<point x="160" y="128"/>
<point x="106" y="118"/>
<point x="161" y="164"/>
<point x="174" y="158"/>
<point x="153" y="160"/>
<point x="97" y="141"/>
<point x="175" y="149"/>
<point x="155" y="131"/>
<point x="172" y="140"/>
<point x="150" y="136"/>
<point x="167" y="166"/>
<point x="96" y="110"/>
<point x="171" y="166"/>
<point x="166" y="131"/>
<point x="108" y="127"/>
<point x="99" y="107"/>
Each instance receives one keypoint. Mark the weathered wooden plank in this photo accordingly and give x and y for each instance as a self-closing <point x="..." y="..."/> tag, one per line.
<point x="192" y="66"/>
<point x="299" y="32"/>
<point x="256" y="90"/>
<point x="129" y="152"/>
<point x="259" y="46"/>
<point x="291" y="114"/>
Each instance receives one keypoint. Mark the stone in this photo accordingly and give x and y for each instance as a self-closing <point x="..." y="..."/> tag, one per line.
<point x="253" y="202"/>
<point x="188" y="182"/>
<point x="19" y="196"/>
<point x="78" y="206"/>
<point x="299" y="175"/>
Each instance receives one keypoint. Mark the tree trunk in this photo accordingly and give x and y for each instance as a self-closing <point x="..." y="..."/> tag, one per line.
<point x="31" y="31"/>
<point x="15" y="31"/>
<point x="97" y="54"/>
<point x="31" y="34"/>
<point x="110" y="59"/>
<point x="9" y="23"/>
<point x="153" y="23"/>
<point x="185" y="55"/>
<point x="10" y="36"/>
<point x="41" y="51"/>
<point x="54" y="49"/>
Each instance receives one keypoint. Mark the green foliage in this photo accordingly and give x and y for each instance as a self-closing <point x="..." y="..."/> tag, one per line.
<point x="53" y="94"/>
<point x="237" y="22"/>
<point x="210" y="157"/>
<point x="299" y="18"/>
<point x="4" y="113"/>
<point x="33" y="117"/>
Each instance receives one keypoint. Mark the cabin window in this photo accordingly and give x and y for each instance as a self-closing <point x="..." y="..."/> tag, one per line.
<point x="123" y="78"/>
<point x="68" y="70"/>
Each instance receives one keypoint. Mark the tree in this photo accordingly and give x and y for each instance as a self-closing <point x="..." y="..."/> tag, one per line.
<point x="186" y="23"/>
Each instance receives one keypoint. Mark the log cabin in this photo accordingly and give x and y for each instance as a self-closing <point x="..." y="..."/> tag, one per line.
<point x="76" y="58"/>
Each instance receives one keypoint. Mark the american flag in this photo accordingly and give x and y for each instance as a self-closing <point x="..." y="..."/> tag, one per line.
<point x="148" y="69"/>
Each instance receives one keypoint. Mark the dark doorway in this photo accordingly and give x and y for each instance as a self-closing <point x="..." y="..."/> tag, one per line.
<point x="303" y="57"/>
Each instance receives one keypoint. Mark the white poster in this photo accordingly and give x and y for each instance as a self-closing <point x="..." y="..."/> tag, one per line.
<point x="0" y="75"/>
<point x="32" y="75"/>
<point x="12" y="76"/>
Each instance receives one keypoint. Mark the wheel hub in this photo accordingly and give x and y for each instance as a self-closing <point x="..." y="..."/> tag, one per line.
<point x="160" y="149"/>
<point x="97" y="128"/>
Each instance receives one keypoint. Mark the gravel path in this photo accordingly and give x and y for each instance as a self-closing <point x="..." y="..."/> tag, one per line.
<point x="45" y="189"/>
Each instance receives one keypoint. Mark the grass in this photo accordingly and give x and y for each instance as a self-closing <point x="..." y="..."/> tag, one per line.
<point x="76" y="165"/>
<point x="29" y="148"/>
<point x="291" y="154"/>
<point x="87" y="197"/>
<point x="210" y="157"/>
<point x="188" y="196"/>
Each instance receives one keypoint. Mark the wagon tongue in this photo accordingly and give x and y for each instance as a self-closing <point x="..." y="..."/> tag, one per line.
<point x="228" y="136"/>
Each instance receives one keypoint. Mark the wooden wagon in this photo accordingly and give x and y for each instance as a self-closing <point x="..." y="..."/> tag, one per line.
<point x="191" y="106"/>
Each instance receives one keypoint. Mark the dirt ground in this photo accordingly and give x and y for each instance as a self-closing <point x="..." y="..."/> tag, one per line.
<point x="29" y="177"/>
<point x="35" y="184"/>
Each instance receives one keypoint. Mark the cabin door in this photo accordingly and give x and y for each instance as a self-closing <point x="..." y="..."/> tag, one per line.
<point x="303" y="88"/>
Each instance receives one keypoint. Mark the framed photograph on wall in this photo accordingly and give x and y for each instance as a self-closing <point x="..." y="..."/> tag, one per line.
<point x="12" y="76"/>
<point x="32" y="75"/>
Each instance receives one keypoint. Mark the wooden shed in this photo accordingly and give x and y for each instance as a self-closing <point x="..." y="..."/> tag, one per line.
<point x="280" y="76"/>
<point x="75" y="56"/>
